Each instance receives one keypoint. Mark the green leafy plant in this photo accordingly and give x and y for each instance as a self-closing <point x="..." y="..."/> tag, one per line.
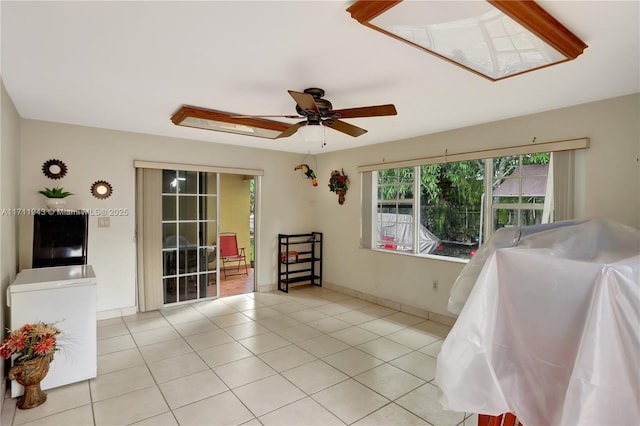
<point x="57" y="192"/>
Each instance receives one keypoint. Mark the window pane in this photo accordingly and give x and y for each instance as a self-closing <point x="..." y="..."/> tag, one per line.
<point x="522" y="182"/>
<point x="168" y="207"/>
<point x="169" y="238"/>
<point x="188" y="182"/>
<point x="530" y="217"/>
<point x="204" y="283"/>
<point x="189" y="287"/>
<point x="202" y="234"/>
<point x="170" y="290"/>
<point x="188" y="234"/>
<point x="527" y="180"/>
<point x="450" y="206"/>
<point x="395" y="219"/>
<point x="188" y="207"/>
<point x="207" y="259"/>
<point x="212" y="287"/>
<point x="396" y="230"/>
<point x="169" y="262"/>
<point x="502" y="167"/>
<point x="169" y="182"/>
<point x="386" y="177"/>
<point x="534" y="186"/>
<point x="505" y="200"/>
<point x="208" y="208"/>
<point x="538" y="158"/>
<point x="188" y="260"/>
<point x="503" y="218"/>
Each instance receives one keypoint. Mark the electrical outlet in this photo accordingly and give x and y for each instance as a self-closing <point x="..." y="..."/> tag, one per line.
<point x="104" y="222"/>
<point x="435" y="284"/>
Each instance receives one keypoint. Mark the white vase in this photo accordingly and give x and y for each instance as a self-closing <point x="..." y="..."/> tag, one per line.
<point x="56" y="203"/>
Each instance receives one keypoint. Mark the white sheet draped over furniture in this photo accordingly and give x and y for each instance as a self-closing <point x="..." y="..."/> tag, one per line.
<point x="551" y="330"/>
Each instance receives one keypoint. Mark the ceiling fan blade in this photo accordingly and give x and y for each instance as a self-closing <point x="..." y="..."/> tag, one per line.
<point x="304" y="101"/>
<point x="291" y="130"/>
<point x="369" y="111"/>
<point x="344" y="127"/>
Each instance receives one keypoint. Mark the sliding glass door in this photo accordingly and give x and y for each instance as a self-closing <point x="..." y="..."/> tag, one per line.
<point x="181" y="211"/>
<point x="189" y="235"/>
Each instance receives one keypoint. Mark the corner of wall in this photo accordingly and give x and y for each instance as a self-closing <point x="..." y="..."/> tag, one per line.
<point x="9" y="198"/>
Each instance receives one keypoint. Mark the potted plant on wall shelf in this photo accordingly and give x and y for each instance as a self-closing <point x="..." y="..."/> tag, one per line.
<point x="55" y="197"/>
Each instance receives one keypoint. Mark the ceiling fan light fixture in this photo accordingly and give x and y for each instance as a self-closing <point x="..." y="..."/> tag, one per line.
<point x="312" y="132"/>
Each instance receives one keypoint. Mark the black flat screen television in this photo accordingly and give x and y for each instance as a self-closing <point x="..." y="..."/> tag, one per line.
<point x="59" y="239"/>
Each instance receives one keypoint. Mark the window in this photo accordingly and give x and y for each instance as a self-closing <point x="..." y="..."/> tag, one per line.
<point x="395" y="208"/>
<point x="455" y="206"/>
<point x="519" y="189"/>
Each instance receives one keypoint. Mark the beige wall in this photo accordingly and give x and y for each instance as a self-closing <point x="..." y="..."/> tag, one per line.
<point x="608" y="186"/>
<point x="9" y="178"/>
<point x="92" y="154"/>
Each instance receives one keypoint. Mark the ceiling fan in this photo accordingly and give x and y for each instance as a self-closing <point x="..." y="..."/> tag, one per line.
<point x="317" y="111"/>
<point x="310" y="106"/>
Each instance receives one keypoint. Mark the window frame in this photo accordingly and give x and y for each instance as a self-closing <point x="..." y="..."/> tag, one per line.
<point x="370" y="189"/>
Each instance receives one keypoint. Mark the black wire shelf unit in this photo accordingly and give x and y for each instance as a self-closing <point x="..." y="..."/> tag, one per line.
<point x="299" y="259"/>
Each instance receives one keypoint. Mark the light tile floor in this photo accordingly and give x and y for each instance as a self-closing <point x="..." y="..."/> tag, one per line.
<point x="309" y="357"/>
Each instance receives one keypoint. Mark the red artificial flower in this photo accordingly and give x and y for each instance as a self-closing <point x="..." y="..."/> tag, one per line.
<point x="5" y="352"/>
<point x="45" y="346"/>
<point x="27" y="328"/>
<point x="17" y="341"/>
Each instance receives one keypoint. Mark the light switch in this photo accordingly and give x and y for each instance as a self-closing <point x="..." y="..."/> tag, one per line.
<point x="104" y="222"/>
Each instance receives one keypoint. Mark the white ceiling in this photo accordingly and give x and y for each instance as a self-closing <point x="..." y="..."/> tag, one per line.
<point x="130" y="65"/>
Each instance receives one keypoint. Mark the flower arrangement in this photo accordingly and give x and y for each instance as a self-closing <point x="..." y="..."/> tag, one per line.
<point x="30" y="341"/>
<point x="338" y="181"/>
<point x="54" y="192"/>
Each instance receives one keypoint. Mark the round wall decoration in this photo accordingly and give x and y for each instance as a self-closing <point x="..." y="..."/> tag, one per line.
<point x="54" y="169"/>
<point x="101" y="189"/>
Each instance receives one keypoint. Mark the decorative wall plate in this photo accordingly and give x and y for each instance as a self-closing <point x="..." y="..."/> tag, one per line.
<point x="101" y="189"/>
<point x="54" y="169"/>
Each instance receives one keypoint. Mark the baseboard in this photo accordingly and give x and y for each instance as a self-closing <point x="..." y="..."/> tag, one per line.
<point x="267" y="288"/>
<point x="115" y="313"/>
<point x="412" y="310"/>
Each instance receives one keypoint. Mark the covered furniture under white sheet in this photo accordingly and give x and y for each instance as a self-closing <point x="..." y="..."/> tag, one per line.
<point x="551" y="330"/>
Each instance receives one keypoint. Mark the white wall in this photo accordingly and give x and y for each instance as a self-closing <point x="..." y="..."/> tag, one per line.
<point x="608" y="186"/>
<point x="92" y="154"/>
<point x="9" y="176"/>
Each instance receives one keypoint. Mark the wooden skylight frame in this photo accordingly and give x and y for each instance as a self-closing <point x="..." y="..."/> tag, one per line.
<point x="525" y="13"/>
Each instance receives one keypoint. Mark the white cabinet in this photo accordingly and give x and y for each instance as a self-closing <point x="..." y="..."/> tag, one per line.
<point x="66" y="297"/>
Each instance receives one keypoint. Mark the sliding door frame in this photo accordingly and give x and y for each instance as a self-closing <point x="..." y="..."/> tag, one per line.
<point x="146" y="272"/>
